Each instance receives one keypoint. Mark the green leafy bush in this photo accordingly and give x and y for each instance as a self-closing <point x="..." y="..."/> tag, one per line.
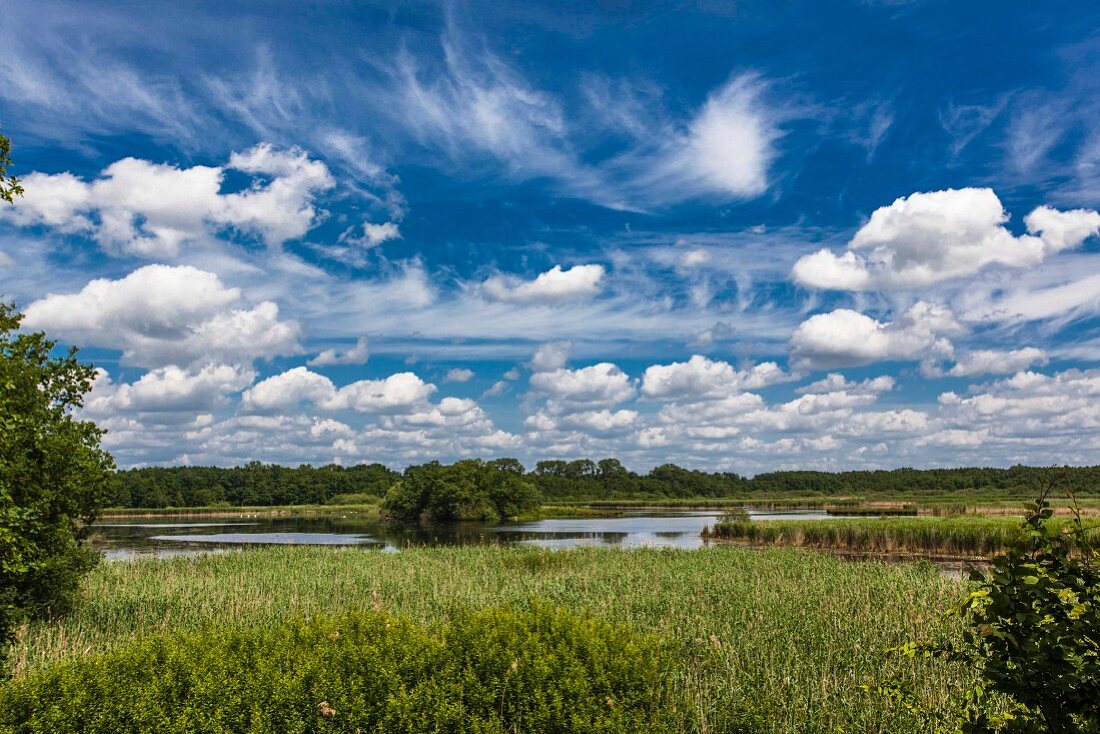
<point x="466" y="490"/>
<point x="1033" y="632"/>
<point x="501" y="670"/>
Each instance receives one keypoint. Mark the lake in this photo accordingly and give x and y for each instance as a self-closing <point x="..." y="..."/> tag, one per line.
<point x="124" y="538"/>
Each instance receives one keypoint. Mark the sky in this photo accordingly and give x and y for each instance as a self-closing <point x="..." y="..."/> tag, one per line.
<point x="738" y="236"/>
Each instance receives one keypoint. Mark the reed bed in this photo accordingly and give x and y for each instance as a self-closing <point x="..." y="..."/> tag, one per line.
<point x="951" y="536"/>
<point x="779" y="637"/>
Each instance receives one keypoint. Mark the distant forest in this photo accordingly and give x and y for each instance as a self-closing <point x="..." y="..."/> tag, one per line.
<point x="270" y="484"/>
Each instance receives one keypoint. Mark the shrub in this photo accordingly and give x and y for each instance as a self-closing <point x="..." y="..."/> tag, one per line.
<point x="1033" y="633"/>
<point x="502" y="670"/>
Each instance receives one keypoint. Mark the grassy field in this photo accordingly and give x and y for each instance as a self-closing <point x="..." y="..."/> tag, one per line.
<point x="784" y="635"/>
<point x="967" y="535"/>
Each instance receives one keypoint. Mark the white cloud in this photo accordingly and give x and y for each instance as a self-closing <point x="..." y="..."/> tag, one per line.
<point x="700" y="378"/>
<point x="722" y="153"/>
<point x="550" y="357"/>
<point x="372" y="236"/>
<point x="458" y="374"/>
<point x="994" y="362"/>
<point x="599" y="384"/>
<point x="287" y="390"/>
<point x="836" y="382"/>
<point x="846" y="338"/>
<point x="152" y="210"/>
<point x="168" y="389"/>
<point x="592" y="421"/>
<point x="1062" y="230"/>
<point x="930" y="237"/>
<point x="398" y="392"/>
<point x="159" y="315"/>
<point x="358" y="354"/>
<point x="498" y="388"/>
<point x="579" y="281"/>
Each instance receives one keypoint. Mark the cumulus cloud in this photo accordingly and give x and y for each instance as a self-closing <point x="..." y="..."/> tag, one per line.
<point x="588" y="421"/>
<point x="168" y="389"/>
<point x="579" y="281"/>
<point x="373" y="234"/>
<point x="836" y="382"/>
<point x="599" y="384"/>
<point x="930" y="237"/>
<point x="458" y="374"/>
<point x="399" y="392"/>
<point x="701" y="378"/>
<point x="358" y="354"/>
<point x="847" y="338"/>
<point x="152" y="210"/>
<point x="550" y="357"/>
<point x="160" y="314"/>
<point x="995" y="362"/>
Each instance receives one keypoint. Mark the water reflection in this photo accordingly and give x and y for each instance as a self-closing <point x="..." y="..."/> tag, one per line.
<point x="122" y="540"/>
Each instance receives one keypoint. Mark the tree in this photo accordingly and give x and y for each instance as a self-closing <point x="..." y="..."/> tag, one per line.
<point x="9" y="185"/>
<point x="53" y="475"/>
<point x="466" y="490"/>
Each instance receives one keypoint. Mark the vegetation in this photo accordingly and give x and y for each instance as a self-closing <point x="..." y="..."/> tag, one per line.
<point x="768" y="640"/>
<point x="52" y="477"/>
<point x="255" y="484"/>
<point x="960" y="536"/>
<point x="9" y="185"/>
<point x="496" y="670"/>
<point x="1034" y="634"/>
<point x="466" y="490"/>
<point x="604" y="481"/>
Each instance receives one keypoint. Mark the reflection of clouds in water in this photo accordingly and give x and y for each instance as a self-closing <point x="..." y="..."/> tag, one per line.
<point x="272" y="539"/>
<point x="631" y="529"/>
<point x="155" y="525"/>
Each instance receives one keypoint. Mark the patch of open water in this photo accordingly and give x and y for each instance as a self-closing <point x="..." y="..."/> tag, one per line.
<point x="120" y="540"/>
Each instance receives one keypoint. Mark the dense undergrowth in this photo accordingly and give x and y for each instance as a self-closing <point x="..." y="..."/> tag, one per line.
<point x="499" y="670"/>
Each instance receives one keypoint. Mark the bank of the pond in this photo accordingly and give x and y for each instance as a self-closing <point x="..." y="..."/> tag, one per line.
<point x="969" y="535"/>
<point x="786" y="635"/>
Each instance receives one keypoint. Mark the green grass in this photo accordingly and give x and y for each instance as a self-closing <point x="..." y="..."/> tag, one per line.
<point x="965" y="535"/>
<point x="785" y="633"/>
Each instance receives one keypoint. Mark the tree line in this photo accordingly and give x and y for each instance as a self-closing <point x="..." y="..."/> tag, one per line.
<point x="258" y="484"/>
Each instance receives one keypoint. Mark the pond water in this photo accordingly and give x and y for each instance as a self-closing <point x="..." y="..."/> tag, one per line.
<point x="121" y="539"/>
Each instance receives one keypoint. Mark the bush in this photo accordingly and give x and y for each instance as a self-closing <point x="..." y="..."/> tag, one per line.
<point x="503" y="670"/>
<point x="466" y="490"/>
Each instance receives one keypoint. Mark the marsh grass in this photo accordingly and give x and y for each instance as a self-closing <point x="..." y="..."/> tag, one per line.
<point x="964" y="535"/>
<point x="367" y="508"/>
<point x="765" y="640"/>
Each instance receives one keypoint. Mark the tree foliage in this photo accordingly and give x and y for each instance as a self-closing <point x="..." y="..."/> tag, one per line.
<point x="466" y="490"/>
<point x="53" y="474"/>
<point x="9" y="185"/>
<point x="607" y="479"/>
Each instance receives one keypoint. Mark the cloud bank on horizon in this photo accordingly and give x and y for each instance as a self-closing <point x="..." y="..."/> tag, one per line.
<point x="744" y="239"/>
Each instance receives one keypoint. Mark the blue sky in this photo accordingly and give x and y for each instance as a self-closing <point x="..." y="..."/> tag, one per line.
<point x="739" y="236"/>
